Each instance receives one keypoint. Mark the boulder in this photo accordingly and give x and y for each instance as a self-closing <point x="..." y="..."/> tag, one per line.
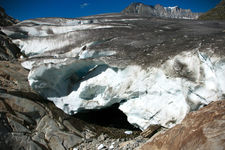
<point x="203" y="130"/>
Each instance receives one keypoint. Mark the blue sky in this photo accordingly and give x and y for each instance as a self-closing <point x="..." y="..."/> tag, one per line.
<point x="27" y="9"/>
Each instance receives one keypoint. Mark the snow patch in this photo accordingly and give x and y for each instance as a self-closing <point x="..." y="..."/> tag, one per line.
<point x="29" y="64"/>
<point x="95" y="54"/>
<point x="128" y="132"/>
<point x="36" y="46"/>
<point x="174" y="7"/>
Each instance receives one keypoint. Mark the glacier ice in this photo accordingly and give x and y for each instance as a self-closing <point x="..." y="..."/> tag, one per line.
<point x="78" y="71"/>
<point x="161" y="95"/>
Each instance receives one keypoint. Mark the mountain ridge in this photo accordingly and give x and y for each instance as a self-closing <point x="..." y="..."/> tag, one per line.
<point x="159" y="11"/>
<point x="217" y="13"/>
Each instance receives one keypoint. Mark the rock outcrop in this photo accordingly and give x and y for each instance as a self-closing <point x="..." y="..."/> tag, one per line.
<point x="203" y="130"/>
<point x="158" y="70"/>
<point x="6" y="20"/>
<point x="159" y="11"/>
<point x="27" y="120"/>
<point x="217" y="13"/>
<point x="8" y="50"/>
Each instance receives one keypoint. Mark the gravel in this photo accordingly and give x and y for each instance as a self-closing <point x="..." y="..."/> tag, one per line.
<point x="104" y="142"/>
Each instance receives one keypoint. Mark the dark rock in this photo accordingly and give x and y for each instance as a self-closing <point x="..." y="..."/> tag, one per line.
<point x="8" y="50"/>
<point x="6" y="20"/>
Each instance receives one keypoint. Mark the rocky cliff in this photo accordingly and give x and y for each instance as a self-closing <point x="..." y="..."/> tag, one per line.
<point x="6" y="20"/>
<point x="8" y="50"/>
<point x="159" y="11"/>
<point x="203" y="130"/>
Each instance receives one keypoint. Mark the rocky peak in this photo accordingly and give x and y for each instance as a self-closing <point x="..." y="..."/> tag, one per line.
<point x="8" y="50"/>
<point x="6" y="20"/>
<point x="159" y="11"/>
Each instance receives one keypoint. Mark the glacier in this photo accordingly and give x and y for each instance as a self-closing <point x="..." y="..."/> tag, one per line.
<point x="146" y="96"/>
<point x="97" y="61"/>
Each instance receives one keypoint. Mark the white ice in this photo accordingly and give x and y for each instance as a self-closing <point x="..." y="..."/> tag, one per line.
<point x="152" y="96"/>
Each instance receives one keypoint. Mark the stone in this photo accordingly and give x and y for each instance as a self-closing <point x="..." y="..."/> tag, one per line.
<point x="8" y="50"/>
<point x="17" y="127"/>
<point x="102" y="137"/>
<point x="50" y="129"/>
<point x="13" y="78"/>
<point x="101" y="146"/>
<point x="151" y="130"/>
<point x="203" y="130"/>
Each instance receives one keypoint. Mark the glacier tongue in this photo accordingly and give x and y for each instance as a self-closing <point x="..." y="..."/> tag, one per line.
<point x="154" y="68"/>
<point x="161" y="95"/>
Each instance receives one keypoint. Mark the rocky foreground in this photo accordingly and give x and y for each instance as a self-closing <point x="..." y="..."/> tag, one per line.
<point x="57" y="75"/>
<point x="202" y="130"/>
